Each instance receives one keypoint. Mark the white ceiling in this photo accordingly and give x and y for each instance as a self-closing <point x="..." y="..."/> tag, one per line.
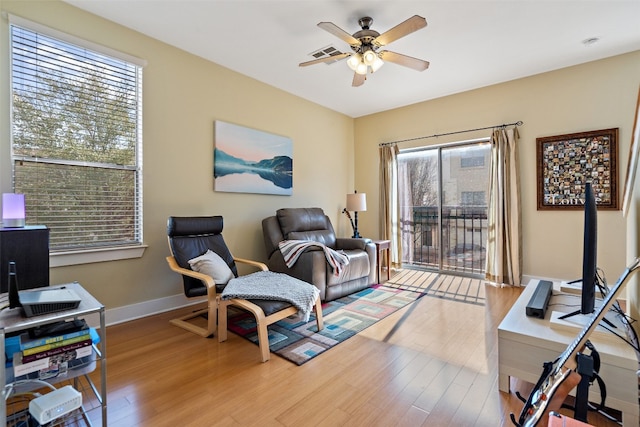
<point x="469" y="44"/>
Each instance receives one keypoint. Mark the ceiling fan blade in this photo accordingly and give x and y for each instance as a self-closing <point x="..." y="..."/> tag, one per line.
<point x="358" y="79"/>
<point x="404" y="60"/>
<point x="330" y="58"/>
<point x="339" y="32"/>
<point x="407" y="27"/>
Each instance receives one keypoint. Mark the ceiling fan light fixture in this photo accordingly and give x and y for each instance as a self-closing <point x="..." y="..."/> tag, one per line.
<point x="362" y="68"/>
<point x="369" y="57"/>
<point x="377" y="63"/>
<point x="366" y="43"/>
<point x="353" y="61"/>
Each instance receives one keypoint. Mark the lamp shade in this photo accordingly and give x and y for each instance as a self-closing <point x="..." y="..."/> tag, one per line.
<point x="377" y="63"/>
<point x="13" y="212"/>
<point x="369" y="57"/>
<point x="354" y="60"/>
<point x="361" y="68"/>
<point x="357" y="202"/>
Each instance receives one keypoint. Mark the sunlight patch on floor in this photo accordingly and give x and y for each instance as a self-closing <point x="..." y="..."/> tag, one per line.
<point x="455" y="288"/>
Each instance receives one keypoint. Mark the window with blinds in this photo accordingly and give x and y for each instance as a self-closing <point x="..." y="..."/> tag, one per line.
<point x="76" y="141"/>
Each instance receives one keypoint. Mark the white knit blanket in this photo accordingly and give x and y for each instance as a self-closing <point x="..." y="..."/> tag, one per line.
<point x="269" y="285"/>
<point x="292" y="249"/>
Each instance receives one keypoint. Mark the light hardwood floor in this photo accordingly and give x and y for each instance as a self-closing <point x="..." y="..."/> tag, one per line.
<point x="433" y="363"/>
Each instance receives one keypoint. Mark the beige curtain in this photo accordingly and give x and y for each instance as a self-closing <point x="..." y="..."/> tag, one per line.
<point x="504" y="246"/>
<point x="405" y="212"/>
<point x="389" y="229"/>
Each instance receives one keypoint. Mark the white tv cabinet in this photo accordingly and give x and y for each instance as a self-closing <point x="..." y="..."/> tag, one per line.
<point x="525" y="343"/>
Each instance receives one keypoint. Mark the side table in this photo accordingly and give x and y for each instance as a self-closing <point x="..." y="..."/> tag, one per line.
<point x="13" y="321"/>
<point x="383" y="245"/>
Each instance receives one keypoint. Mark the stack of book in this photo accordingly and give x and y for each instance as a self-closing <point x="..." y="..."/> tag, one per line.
<point x="50" y="354"/>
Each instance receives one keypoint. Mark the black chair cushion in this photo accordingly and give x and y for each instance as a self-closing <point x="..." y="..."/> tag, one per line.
<point x="194" y="225"/>
<point x="191" y="237"/>
<point x="269" y="307"/>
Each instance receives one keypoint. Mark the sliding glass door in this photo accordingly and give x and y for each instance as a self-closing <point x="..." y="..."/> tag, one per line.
<point x="443" y="195"/>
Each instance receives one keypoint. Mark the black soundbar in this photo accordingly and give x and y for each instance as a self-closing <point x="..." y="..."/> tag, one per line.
<point x="539" y="301"/>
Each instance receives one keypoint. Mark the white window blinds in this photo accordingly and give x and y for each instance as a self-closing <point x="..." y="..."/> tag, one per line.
<point x="76" y="140"/>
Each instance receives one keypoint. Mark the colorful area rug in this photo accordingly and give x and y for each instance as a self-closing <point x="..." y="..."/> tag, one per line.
<point x="300" y="342"/>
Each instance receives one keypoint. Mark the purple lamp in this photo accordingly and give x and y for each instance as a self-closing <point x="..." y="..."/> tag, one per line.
<point x="13" y="212"/>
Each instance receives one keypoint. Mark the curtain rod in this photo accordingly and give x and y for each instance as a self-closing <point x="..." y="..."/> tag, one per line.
<point x="518" y="123"/>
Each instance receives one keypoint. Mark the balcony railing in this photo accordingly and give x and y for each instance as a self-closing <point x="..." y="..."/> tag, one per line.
<point x="461" y="245"/>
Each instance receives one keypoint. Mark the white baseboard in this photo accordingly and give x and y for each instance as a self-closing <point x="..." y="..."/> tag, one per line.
<point x="113" y="316"/>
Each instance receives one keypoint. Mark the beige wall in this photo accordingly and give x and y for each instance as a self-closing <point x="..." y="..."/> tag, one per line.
<point x="597" y="95"/>
<point x="183" y="95"/>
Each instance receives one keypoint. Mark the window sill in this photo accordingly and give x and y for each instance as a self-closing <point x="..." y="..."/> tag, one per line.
<point x="88" y="256"/>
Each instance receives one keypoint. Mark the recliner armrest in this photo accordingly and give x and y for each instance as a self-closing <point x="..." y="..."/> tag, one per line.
<point x="351" y="243"/>
<point x="271" y="234"/>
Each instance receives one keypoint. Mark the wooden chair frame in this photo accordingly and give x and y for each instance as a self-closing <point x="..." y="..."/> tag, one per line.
<point x="212" y="297"/>
<point x="262" y="321"/>
<point x="218" y="307"/>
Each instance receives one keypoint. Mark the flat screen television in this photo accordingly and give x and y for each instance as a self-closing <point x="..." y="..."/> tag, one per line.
<point x="590" y="249"/>
<point x="589" y="277"/>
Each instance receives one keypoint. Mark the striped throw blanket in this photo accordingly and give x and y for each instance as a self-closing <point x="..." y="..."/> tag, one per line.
<point x="292" y="249"/>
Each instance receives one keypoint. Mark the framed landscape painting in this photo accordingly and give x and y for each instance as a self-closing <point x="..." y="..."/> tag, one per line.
<point x="566" y="162"/>
<point x="251" y="161"/>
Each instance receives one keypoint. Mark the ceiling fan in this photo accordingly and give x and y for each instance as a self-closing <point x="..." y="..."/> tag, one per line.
<point x="366" y="43"/>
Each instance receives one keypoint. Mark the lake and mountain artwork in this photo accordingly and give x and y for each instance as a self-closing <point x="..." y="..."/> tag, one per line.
<point x="251" y="161"/>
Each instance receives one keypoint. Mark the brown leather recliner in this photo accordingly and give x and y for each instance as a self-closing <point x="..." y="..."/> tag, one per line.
<point x="311" y="224"/>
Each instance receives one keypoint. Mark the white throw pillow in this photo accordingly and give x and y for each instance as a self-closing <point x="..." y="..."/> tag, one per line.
<point x="212" y="265"/>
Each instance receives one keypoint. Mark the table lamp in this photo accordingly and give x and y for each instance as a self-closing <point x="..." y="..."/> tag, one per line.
<point x="13" y="212"/>
<point x="356" y="202"/>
